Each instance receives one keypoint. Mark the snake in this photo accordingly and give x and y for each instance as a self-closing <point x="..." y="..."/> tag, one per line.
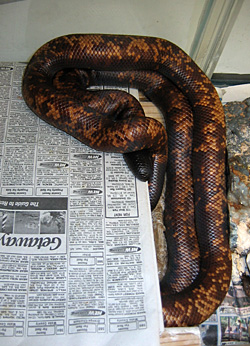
<point x="190" y="150"/>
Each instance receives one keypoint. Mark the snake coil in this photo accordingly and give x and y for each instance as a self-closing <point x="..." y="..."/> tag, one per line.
<point x="196" y="217"/>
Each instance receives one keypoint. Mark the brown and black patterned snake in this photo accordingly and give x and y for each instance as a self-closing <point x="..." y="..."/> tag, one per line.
<point x="55" y="87"/>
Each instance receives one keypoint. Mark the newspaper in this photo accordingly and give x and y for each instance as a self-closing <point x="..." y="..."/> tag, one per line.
<point x="77" y="258"/>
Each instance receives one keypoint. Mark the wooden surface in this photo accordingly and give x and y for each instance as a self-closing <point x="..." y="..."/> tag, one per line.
<point x="180" y="337"/>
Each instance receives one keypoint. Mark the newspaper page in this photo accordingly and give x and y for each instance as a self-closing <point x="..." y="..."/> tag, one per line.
<point x="230" y="324"/>
<point x="77" y="258"/>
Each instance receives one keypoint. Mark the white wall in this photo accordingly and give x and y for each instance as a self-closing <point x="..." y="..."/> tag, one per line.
<point x="26" y="25"/>
<point x="235" y="57"/>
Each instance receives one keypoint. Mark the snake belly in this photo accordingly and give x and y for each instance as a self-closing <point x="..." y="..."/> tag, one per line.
<point x="196" y="215"/>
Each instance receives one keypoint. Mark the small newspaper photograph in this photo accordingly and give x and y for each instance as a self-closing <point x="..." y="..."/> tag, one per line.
<point x="77" y="257"/>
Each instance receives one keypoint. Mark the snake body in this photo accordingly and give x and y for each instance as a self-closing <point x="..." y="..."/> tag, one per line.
<point x="196" y="217"/>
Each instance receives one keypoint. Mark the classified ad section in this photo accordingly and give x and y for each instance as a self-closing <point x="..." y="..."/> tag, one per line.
<point x="77" y="258"/>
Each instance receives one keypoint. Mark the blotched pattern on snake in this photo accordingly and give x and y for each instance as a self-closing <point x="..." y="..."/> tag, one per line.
<point x="55" y="86"/>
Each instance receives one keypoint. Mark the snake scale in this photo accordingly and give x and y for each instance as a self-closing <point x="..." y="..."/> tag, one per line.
<point x="55" y="87"/>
